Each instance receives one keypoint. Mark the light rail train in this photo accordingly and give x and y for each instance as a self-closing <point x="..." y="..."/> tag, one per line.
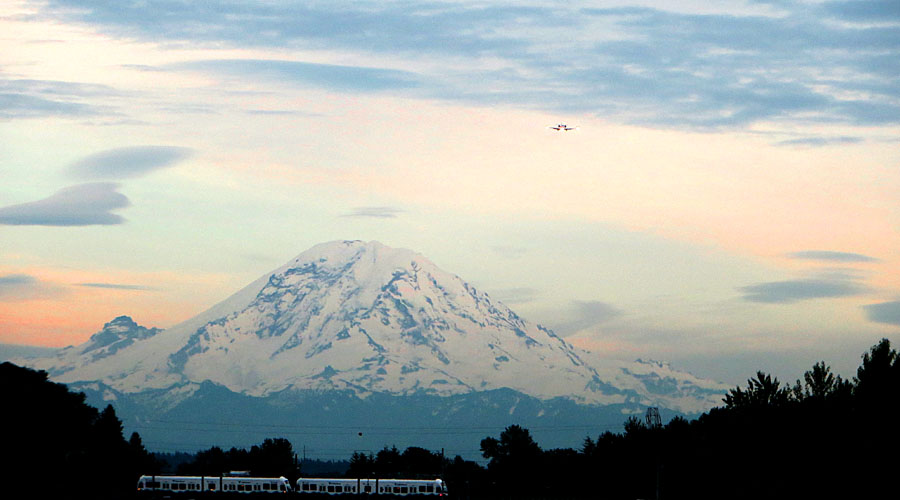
<point x="401" y="487"/>
<point x="236" y="484"/>
<point x="307" y="486"/>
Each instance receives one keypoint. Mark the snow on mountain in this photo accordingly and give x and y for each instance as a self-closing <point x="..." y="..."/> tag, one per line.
<point x="366" y="318"/>
<point x="118" y="334"/>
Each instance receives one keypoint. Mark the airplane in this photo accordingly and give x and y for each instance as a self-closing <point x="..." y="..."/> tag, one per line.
<point x="562" y="127"/>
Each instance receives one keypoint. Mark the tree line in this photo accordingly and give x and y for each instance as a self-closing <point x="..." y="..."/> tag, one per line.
<point x="56" y="446"/>
<point x="822" y="436"/>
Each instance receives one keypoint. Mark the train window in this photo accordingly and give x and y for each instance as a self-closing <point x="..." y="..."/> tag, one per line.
<point x="212" y="486"/>
<point x="367" y="489"/>
<point x="404" y="489"/>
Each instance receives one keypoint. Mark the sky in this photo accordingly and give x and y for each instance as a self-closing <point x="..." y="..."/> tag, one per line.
<point x="730" y="200"/>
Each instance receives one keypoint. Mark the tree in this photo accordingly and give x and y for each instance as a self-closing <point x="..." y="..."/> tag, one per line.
<point x="513" y="457"/>
<point x="514" y="446"/>
<point x="361" y="465"/>
<point x="820" y="385"/>
<point x="763" y="391"/>
<point x="51" y="433"/>
<point x="879" y="375"/>
<point x="274" y="458"/>
<point x="387" y="461"/>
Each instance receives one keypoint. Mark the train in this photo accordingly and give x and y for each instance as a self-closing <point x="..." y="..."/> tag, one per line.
<point x="368" y="486"/>
<point x="196" y="484"/>
<point x="304" y="486"/>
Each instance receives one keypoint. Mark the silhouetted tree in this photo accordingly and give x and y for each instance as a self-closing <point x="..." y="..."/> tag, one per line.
<point x="878" y="375"/>
<point x="387" y="462"/>
<point x="53" y="440"/>
<point x="274" y="458"/>
<point x="762" y="391"/>
<point x="514" y="458"/>
<point x="362" y="465"/>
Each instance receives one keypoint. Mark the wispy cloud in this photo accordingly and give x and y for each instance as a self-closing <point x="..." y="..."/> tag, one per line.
<point x="115" y="286"/>
<point x="870" y="10"/>
<point x="80" y="205"/>
<point x="21" y="287"/>
<point x="346" y="78"/>
<point x="122" y="163"/>
<point x="637" y="64"/>
<point x="830" y="256"/>
<point x="885" y="312"/>
<point x="26" y="98"/>
<point x="586" y="314"/>
<point x="382" y="212"/>
<point x="817" y="142"/>
<point x="13" y="105"/>
<point x="791" y="291"/>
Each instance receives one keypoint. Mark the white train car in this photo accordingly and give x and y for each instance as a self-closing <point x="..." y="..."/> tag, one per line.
<point x="401" y="487"/>
<point x="238" y="484"/>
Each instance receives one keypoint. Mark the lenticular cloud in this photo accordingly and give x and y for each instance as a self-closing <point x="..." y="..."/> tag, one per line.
<point x="123" y="163"/>
<point x="80" y="205"/>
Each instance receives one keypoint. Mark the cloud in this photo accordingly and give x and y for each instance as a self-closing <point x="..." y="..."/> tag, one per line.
<point x="25" y="98"/>
<point x="382" y="212"/>
<point x="788" y="292"/>
<point x="821" y="141"/>
<point x="25" y="106"/>
<point x="114" y="286"/>
<point x="868" y="10"/>
<point x="21" y="287"/>
<point x="80" y="205"/>
<point x="121" y="163"/>
<point x="826" y="255"/>
<point x="586" y="314"/>
<point x="346" y="78"/>
<point x="885" y="312"/>
<point x="635" y="64"/>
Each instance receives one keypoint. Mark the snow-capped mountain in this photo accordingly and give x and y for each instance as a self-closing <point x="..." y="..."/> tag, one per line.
<point x="367" y="319"/>
<point x="115" y="335"/>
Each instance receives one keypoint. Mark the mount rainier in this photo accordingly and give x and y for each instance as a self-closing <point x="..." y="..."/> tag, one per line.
<point x="349" y="331"/>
